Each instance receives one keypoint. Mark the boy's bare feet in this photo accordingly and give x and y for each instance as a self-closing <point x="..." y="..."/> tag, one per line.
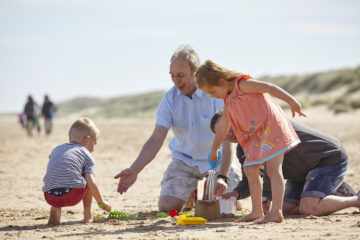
<point x="250" y="217"/>
<point x="87" y="217"/>
<point x="272" y="216"/>
<point x="88" y="220"/>
<point x="55" y="214"/>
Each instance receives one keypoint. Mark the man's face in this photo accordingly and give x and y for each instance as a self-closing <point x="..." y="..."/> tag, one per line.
<point x="230" y="135"/>
<point x="182" y="76"/>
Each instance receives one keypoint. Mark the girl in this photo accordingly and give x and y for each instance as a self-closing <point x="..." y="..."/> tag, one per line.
<point x="260" y="126"/>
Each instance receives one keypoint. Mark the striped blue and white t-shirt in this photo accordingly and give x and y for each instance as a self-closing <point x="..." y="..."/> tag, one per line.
<point x="67" y="166"/>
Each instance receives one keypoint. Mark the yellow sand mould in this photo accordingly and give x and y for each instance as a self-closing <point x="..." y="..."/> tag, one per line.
<point x="191" y="220"/>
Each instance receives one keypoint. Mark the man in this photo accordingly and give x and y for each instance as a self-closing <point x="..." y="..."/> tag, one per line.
<point x="314" y="170"/>
<point x="187" y="111"/>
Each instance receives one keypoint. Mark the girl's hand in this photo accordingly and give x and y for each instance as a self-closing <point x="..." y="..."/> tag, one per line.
<point x="213" y="156"/>
<point x="296" y="108"/>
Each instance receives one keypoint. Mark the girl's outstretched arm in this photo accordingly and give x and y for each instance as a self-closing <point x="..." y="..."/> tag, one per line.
<point x="253" y="86"/>
<point x="220" y="135"/>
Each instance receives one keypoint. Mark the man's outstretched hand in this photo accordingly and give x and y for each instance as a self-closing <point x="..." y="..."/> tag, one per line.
<point x="127" y="178"/>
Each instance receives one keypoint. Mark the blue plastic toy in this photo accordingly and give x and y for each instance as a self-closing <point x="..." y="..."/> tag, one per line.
<point x="214" y="164"/>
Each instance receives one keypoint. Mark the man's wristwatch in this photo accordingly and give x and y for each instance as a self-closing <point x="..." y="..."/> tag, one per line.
<point x="223" y="177"/>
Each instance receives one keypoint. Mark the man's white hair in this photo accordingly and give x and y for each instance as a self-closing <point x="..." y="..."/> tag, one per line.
<point x="188" y="53"/>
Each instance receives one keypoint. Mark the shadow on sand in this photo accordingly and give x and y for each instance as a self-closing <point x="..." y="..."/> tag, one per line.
<point x="139" y="225"/>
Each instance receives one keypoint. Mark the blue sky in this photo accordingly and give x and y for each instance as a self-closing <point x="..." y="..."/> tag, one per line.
<point x="72" y="48"/>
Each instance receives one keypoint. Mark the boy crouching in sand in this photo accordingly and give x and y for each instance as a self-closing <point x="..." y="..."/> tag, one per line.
<point x="69" y="176"/>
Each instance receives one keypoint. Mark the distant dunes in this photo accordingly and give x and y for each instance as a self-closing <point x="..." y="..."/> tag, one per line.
<point x="339" y="90"/>
<point x="141" y="105"/>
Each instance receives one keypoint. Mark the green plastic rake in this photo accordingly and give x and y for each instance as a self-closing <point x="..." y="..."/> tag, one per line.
<point x="119" y="215"/>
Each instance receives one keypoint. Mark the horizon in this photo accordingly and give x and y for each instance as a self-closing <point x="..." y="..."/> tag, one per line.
<point x="69" y="49"/>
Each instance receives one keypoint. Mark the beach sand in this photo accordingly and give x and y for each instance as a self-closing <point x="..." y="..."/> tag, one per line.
<point x="24" y="212"/>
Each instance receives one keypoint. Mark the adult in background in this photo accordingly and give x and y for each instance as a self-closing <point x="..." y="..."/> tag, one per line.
<point x="187" y="111"/>
<point x="314" y="170"/>
<point x="30" y="114"/>
<point x="48" y="113"/>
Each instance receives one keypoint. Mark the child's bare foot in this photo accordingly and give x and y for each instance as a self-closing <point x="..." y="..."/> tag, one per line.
<point x="55" y="214"/>
<point x="250" y="217"/>
<point x="88" y="220"/>
<point x="272" y="216"/>
<point x="87" y="217"/>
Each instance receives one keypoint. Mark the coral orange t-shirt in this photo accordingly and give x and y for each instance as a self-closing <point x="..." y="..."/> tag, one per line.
<point x="260" y="125"/>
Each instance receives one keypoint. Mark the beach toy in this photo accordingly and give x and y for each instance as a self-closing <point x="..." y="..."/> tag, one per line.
<point x="96" y="216"/>
<point x="242" y="214"/>
<point x="132" y="216"/>
<point x="162" y="215"/>
<point x="191" y="220"/>
<point x="215" y="164"/>
<point x="185" y="214"/>
<point x="119" y="215"/>
<point x="173" y="213"/>
<point x="227" y="206"/>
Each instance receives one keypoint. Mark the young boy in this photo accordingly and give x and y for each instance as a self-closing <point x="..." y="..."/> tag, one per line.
<point x="69" y="176"/>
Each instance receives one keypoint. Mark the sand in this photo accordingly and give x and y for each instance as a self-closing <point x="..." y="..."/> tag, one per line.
<point x="24" y="212"/>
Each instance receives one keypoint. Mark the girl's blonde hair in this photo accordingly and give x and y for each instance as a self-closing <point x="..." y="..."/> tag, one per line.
<point x="210" y="73"/>
<point x="81" y="128"/>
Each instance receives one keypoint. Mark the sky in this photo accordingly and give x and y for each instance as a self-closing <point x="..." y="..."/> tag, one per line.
<point x="111" y="48"/>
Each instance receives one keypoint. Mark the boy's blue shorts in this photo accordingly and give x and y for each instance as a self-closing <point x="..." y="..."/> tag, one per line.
<point x="319" y="183"/>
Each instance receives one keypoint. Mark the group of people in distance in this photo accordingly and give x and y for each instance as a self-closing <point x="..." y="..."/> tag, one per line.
<point x="209" y="107"/>
<point x="30" y="118"/>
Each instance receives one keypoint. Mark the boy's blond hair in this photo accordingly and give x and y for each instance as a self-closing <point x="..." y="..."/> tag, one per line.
<point x="81" y="128"/>
<point x="210" y="73"/>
